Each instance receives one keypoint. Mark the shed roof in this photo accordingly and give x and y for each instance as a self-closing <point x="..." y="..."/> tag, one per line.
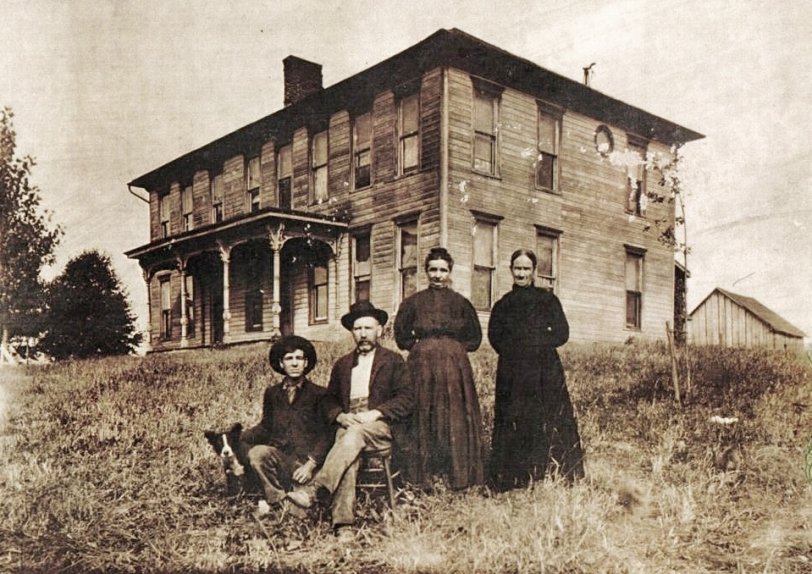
<point x="453" y="48"/>
<point x="771" y="318"/>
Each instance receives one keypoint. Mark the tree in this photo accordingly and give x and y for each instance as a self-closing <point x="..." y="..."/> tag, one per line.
<point x="27" y="240"/>
<point x="88" y="311"/>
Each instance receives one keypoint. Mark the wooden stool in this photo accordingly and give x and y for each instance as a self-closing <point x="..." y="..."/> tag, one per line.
<point x="375" y="471"/>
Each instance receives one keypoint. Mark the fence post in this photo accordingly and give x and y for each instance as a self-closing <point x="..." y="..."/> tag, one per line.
<point x="674" y="371"/>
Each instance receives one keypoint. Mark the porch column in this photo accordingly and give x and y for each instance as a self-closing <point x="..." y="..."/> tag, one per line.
<point x="147" y="275"/>
<point x="276" y="237"/>
<point x="225" y="257"/>
<point x="184" y="320"/>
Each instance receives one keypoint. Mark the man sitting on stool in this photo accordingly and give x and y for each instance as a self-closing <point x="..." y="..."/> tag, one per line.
<point x="372" y="400"/>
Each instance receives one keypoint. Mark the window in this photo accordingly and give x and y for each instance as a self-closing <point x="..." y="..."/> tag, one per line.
<point x="318" y="293"/>
<point x="253" y="179"/>
<point x="187" y="204"/>
<point x="486" y="118"/>
<point x="408" y="134"/>
<point x="362" y="270"/>
<point x="284" y="162"/>
<point x="407" y="260"/>
<point x="189" y="287"/>
<point x="547" y="253"/>
<point x="318" y="158"/>
<point x="217" y="198"/>
<point x="636" y="199"/>
<point x="166" y="308"/>
<point x="362" y="153"/>
<point x="549" y="133"/>
<point x="163" y="209"/>
<point x="484" y="233"/>
<point x="634" y="287"/>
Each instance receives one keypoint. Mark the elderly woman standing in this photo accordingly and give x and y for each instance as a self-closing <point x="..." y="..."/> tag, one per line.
<point x="534" y="429"/>
<point x="439" y="327"/>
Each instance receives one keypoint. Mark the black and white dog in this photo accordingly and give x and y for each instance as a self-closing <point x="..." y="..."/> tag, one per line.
<point x="227" y="446"/>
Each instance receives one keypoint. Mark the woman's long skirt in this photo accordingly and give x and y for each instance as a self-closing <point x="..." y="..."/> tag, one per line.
<point x="447" y="420"/>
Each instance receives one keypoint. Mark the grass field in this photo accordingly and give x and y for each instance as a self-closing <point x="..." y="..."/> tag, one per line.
<point x="105" y="469"/>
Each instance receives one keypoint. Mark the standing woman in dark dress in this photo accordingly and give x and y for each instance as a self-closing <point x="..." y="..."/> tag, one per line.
<point x="439" y="327"/>
<point x="534" y="429"/>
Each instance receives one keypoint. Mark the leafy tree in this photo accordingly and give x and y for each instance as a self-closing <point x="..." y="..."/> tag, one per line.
<point x="27" y="240"/>
<point x="88" y="311"/>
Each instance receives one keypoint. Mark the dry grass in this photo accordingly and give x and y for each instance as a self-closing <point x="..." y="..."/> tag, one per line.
<point x="106" y="470"/>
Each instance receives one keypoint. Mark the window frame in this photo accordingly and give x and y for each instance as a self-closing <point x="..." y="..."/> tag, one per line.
<point x="358" y="151"/>
<point x="404" y="136"/>
<point x="164" y="215"/>
<point x="187" y="214"/>
<point x="362" y="273"/>
<point x="634" y="297"/>
<point x="189" y="291"/>
<point x="165" y="324"/>
<point x="493" y="92"/>
<point x="636" y="201"/>
<point x="318" y="168"/>
<point x="546" y="111"/>
<point x="404" y="223"/>
<point x="313" y="291"/>
<point x="253" y="183"/>
<point x="216" y="182"/>
<point x="492" y="221"/>
<point x="549" y="282"/>
<point x="286" y="149"/>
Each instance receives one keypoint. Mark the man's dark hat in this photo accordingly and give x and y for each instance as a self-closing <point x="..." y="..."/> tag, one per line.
<point x="363" y="309"/>
<point x="286" y="345"/>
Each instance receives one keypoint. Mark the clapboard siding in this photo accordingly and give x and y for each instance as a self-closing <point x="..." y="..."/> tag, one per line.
<point x="588" y="210"/>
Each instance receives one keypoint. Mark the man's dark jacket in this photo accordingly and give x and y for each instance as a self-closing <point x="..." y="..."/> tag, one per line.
<point x="297" y="429"/>
<point x="390" y="391"/>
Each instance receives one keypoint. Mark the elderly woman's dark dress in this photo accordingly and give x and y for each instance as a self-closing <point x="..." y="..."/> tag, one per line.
<point x="439" y="327"/>
<point x="534" y="430"/>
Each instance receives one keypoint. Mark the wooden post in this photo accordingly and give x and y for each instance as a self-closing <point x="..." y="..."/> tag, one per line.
<point x="674" y="371"/>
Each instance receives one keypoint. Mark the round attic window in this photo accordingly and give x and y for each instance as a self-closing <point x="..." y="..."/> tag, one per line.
<point x="604" y="142"/>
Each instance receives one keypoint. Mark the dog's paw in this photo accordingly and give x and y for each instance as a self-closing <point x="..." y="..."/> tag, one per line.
<point x="263" y="508"/>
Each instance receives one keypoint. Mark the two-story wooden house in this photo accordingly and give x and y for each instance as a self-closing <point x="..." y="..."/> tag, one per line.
<point x="280" y="225"/>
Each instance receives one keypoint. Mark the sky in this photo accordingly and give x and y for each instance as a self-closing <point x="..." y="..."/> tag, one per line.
<point x="104" y="91"/>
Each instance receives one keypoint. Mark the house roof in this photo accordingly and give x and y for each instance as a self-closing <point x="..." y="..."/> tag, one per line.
<point x="453" y="48"/>
<point x="771" y="318"/>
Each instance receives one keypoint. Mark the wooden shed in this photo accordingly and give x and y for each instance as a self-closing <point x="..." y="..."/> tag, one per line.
<point x="731" y="320"/>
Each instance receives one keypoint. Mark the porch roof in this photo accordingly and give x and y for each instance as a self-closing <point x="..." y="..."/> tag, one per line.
<point x="237" y="229"/>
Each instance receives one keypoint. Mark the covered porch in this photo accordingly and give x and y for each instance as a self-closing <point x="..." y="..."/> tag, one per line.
<point x="255" y="278"/>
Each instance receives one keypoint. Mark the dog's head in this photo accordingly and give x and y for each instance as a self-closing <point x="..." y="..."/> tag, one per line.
<point x="227" y="445"/>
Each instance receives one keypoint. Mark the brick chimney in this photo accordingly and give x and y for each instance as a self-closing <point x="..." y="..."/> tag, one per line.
<point x="302" y="78"/>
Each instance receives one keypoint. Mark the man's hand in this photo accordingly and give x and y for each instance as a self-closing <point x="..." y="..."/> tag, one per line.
<point x="304" y="473"/>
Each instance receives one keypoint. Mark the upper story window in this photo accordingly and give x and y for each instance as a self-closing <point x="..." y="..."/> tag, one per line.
<point x="253" y="180"/>
<point x="284" y="179"/>
<point x="187" y="205"/>
<point x="636" y="198"/>
<point x="318" y="293"/>
<point x="217" y="198"/>
<point x="163" y="211"/>
<point x="486" y="120"/>
<point x="318" y="166"/>
<point x="547" y="253"/>
<point x="484" y="249"/>
<point x="362" y="265"/>
<point x="409" y="134"/>
<point x="549" y="135"/>
<point x="634" y="287"/>
<point x="362" y="150"/>
<point x="407" y="257"/>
